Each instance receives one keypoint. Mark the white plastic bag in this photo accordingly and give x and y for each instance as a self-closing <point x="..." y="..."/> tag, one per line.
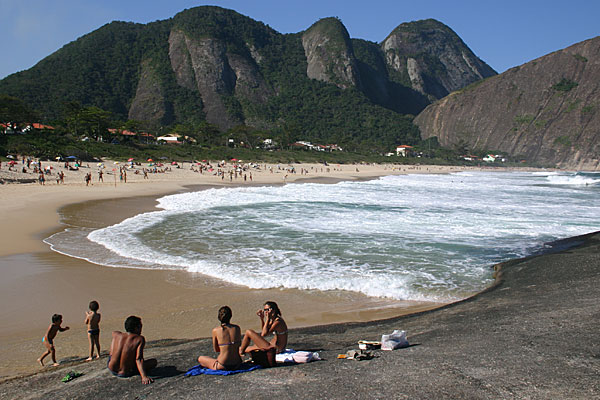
<point x="305" y="356"/>
<point x="396" y="340"/>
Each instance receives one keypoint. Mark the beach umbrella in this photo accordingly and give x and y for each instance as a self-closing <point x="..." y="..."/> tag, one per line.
<point x="72" y="158"/>
<point x="131" y="159"/>
<point x="57" y="158"/>
<point x="116" y="162"/>
<point x="234" y="159"/>
<point x="150" y="160"/>
<point x="12" y="162"/>
<point x="174" y="163"/>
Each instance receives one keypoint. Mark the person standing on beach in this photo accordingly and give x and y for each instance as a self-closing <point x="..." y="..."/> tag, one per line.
<point x="100" y="176"/>
<point x="126" y="356"/>
<point x="48" y="339"/>
<point x="92" y="320"/>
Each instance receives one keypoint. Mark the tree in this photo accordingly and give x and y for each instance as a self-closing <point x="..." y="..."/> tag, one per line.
<point x="94" y="122"/>
<point x="15" y="112"/>
<point x="209" y="134"/>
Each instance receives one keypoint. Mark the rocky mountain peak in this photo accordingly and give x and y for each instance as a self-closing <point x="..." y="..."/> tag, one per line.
<point x="329" y="53"/>
<point x="429" y="57"/>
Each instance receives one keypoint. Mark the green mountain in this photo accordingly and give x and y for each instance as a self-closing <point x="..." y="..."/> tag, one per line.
<point x="216" y="65"/>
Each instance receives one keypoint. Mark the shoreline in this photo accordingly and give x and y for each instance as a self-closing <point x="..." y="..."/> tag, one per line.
<point x="20" y="200"/>
<point x="500" y="343"/>
<point x="32" y="271"/>
<point x="111" y="205"/>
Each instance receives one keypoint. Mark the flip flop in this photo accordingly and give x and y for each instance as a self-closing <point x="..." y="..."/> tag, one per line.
<point x="70" y="376"/>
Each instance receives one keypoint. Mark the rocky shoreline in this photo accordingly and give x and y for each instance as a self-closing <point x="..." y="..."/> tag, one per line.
<point x="532" y="335"/>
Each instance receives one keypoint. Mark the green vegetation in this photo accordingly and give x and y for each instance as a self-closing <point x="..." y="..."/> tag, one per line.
<point x="48" y="145"/>
<point x="563" y="141"/>
<point x="565" y="85"/>
<point x="579" y="57"/>
<point x="524" y="119"/>
<point x="588" y="109"/>
<point x="573" y="105"/>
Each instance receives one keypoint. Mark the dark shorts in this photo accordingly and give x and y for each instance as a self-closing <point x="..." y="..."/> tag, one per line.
<point x="124" y="375"/>
<point x="94" y="332"/>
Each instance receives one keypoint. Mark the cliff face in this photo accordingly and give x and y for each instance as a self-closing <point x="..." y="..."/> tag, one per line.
<point x="206" y="66"/>
<point x="148" y="103"/>
<point x="546" y="111"/>
<point x="329" y="54"/>
<point x="432" y="58"/>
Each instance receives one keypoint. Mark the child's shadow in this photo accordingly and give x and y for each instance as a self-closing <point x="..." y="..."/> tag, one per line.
<point x="165" y="371"/>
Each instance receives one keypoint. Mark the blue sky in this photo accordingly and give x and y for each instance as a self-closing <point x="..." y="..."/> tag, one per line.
<point x="502" y="33"/>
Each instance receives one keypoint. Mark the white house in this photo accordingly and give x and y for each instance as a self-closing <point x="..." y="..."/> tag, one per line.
<point x="171" y="138"/>
<point x="402" y="150"/>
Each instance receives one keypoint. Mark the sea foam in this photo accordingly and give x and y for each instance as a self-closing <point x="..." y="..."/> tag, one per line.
<point x="409" y="237"/>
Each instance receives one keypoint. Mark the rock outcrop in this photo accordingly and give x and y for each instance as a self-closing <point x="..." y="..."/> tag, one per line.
<point x="546" y="111"/>
<point x="148" y="103"/>
<point x="329" y="54"/>
<point x="432" y="59"/>
<point x="206" y="66"/>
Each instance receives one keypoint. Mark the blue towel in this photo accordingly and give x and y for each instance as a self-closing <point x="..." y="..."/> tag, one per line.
<point x="199" y="370"/>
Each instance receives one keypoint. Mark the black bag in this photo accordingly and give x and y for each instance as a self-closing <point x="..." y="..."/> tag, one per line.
<point x="264" y="358"/>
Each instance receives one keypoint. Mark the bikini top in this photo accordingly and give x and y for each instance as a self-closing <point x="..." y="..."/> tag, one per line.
<point x="228" y="343"/>
<point x="280" y="333"/>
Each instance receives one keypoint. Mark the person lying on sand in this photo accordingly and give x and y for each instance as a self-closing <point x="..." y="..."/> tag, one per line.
<point x="271" y="323"/>
<point x="226" y="340"/>
<point x="126" y="357"/>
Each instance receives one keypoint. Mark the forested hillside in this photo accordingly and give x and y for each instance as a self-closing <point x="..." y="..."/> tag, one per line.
<point x="216" y="66"/>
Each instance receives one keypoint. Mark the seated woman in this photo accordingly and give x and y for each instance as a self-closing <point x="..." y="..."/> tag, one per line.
<point x="226" y="341"/>
<point x="272" y="323"/>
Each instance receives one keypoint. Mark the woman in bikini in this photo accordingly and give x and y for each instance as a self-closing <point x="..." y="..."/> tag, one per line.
<point x="226" y="340"/>
<point x="271" y="323"/>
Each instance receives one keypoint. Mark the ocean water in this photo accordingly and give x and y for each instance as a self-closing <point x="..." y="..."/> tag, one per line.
<point x="406" y="237"/>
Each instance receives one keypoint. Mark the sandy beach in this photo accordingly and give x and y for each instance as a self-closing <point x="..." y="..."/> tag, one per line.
<point x="38" y="282"/>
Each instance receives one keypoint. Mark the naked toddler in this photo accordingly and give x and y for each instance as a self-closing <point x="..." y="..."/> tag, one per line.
<point x="48" y="338"/>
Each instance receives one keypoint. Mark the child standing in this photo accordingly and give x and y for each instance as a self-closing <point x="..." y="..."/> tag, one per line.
<point x="48" y="339"/>
<point x="92" y="320"/>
